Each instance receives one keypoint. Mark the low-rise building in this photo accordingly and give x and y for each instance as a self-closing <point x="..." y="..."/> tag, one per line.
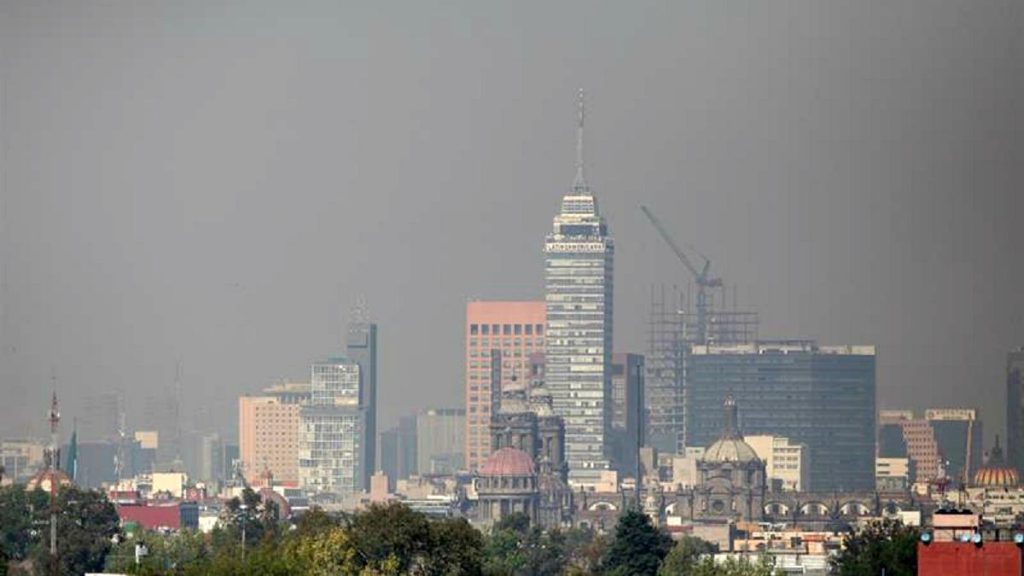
<point x="786" y="462"/>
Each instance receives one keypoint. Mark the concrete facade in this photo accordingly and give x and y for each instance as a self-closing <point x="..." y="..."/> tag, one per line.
<point x="785" y="462"/>
<point x="268" y="438"/>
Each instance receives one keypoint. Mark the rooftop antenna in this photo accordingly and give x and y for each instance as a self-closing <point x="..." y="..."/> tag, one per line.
<point x="579" y="184"/>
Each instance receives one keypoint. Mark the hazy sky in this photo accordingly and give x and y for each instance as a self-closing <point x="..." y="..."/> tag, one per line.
<point x="218" y="182"/>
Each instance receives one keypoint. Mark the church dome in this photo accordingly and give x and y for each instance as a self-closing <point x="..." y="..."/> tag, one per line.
<point x="508" y="462"/>
<point x="730" y="447"/>
<point x="995" y="473"/>
<point x="730" y="450"/>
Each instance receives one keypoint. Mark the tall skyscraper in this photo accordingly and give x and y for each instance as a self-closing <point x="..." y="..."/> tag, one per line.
<point x="1015" y="408"/>
<point x="578" y="257"/>
<point x="500" y="339"/>
<point x="332" y="431"/>
<point x="361" y="347"/>
<point x="822" y="397"/>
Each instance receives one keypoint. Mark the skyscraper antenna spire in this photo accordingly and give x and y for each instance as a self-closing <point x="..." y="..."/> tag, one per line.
<point x="579" y="184"/>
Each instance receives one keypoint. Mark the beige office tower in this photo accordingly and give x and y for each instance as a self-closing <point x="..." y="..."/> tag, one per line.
<point x="500" y="339"/>
<point x="268" y="433"/>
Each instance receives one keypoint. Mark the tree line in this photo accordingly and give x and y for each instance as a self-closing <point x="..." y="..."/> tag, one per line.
<point x="384" y="539"/>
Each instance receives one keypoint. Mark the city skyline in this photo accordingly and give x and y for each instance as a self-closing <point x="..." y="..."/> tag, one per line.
<point x="129" y="244"/>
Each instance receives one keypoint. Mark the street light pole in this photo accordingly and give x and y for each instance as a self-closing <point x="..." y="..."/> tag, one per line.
<point x="243" y="508"/>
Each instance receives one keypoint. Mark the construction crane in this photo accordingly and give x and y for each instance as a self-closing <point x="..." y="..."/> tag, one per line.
<point x="701" y="277"/>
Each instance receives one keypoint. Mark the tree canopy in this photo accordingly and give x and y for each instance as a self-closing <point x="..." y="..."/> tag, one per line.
<point x="882" y="544"/>
<point x="638" y="547"/>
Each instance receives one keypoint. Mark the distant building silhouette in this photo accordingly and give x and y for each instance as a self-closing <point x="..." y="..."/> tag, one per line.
<point x="439" y="440"/>
<point x="626" y="416"/>
<point x="397" y="449"/>
<point x="361" y="347"/>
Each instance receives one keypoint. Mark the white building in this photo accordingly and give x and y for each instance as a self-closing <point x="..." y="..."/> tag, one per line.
<point x="332" y="431"/>
<point x="785" y="461"/>
<point x="578" y="256"/>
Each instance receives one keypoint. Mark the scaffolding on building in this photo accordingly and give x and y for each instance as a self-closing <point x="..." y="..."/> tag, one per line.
<point x="674" y="327"/>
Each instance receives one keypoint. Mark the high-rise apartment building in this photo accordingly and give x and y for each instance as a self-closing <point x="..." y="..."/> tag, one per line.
<point x="501" y="337"/>
<point x="268" y="432"/>
<point x="332" y="431"/>
<point x="1015" y="408"/>
<point x="439" y="440"/>
<point x="822" y="397"/>
<point x="578" y="263"/>
<point x="627" y="402"/>
<point x="361" y="347"/>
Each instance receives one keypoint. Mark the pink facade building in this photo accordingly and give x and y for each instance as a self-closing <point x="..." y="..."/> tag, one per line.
<point x="501" y="336"/>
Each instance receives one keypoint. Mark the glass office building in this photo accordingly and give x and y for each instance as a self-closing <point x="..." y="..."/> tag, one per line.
<point x="822" y="397"/>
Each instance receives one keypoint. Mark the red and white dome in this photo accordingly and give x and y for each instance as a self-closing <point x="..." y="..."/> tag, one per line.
<point x="508" y="462"/>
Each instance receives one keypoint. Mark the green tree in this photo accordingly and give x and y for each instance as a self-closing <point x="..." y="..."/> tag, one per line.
<point x="733" y="567"/>
<point x="166" y="554"/>
<point x="326" y="552"/>
<point x="456" y="549"/>
<point x="503" y="552"/>
<point x="585" y="552"/>
<point x="86" y="524"/>
<point x="390" y="534"/>
<point x="314" y="522"/>
<point x="685" y="555"/>
<point x="514" y="549"/>
<point x="638" y="547"/>
<point x="886" y="544"/>
<point x="518" y="522"/>
<point x="15" y="523"/>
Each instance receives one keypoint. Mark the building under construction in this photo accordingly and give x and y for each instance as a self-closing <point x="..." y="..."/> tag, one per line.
<point x="674" y="328"/>
<point x="679" y="322"/>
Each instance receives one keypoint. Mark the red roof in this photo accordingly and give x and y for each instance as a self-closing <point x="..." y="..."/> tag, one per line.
<point x="152" y="516"/>
<point x="508" y="462"/>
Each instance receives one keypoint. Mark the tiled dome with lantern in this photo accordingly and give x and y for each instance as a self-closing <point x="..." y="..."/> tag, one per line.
<point x="995" y="473"/>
